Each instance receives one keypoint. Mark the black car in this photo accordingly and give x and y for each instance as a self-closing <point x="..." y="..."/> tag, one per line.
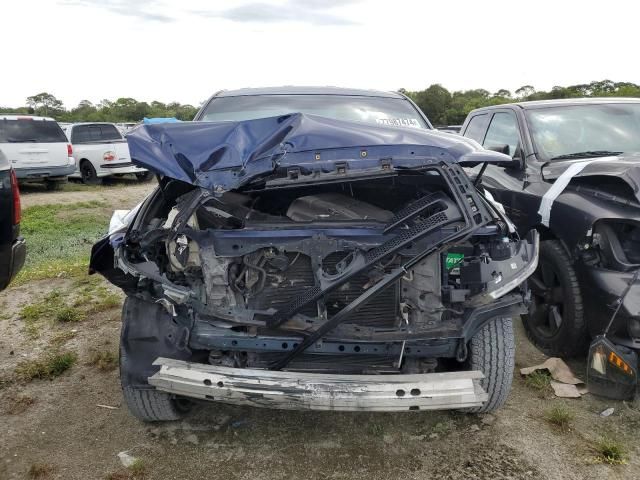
<point x="577" y="181"/>
<point x="12" y="245"/>
<point x="292" y="259"/>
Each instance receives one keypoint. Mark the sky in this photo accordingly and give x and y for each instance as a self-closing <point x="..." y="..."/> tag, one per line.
<point x="187" y="50"/>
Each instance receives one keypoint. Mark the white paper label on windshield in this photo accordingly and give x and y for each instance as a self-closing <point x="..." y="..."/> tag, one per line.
<point x="399" y="122"/>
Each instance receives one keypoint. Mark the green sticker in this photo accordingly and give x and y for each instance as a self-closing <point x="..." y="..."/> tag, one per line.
<point x="453" y="259"/>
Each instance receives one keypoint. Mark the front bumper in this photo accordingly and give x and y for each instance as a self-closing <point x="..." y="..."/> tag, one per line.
<point x="601" y="290"/>
<point x="315" y="391"/>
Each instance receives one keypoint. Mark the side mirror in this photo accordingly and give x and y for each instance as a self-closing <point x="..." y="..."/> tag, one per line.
<point x="499" y="148"/>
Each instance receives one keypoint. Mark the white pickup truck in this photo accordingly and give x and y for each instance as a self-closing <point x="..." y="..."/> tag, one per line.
<point x="101" y="151"/>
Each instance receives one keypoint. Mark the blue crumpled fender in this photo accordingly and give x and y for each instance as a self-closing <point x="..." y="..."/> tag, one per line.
<point x="225" y="155"/>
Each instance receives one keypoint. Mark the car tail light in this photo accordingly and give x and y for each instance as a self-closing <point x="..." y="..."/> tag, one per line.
<point x="69" y="150"/>
<point x="17" y="212"/>
<point x="109" y="156"/>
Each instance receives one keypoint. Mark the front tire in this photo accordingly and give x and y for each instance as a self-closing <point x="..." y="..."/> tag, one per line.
<point x="144" y="402"/>
<point x="555" y="323"/>
<point x="492" y="351"/>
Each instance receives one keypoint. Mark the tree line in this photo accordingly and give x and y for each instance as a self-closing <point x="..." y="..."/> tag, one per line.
<point x="121" y="110"/>
<point x="440" y="105"/>
<point x="443" y="107"/>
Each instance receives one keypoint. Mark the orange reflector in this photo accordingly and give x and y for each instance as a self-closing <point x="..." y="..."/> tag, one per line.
<point x="616" y="361"/>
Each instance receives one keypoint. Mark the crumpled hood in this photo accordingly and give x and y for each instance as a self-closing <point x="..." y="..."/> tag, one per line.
<point x="225" y="155"/>
<point x="626" y="168"/>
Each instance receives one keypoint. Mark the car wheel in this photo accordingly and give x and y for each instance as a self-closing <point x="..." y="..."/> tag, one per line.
<point x="555" y="322"/>
<point x="144" y="402"/>
<point x="88" y="173"/>
<point x="144" y="176"/>
<point x="492" y="351"/>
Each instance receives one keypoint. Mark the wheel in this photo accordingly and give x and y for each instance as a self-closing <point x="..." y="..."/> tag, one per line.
<point x="144" y="176"/>
<point x="492" y="351"/>
<point x="88" y="173"/>
<point x="144" y="402"/>
<point x="54" y="185"/>
<point x="555" y="323"/>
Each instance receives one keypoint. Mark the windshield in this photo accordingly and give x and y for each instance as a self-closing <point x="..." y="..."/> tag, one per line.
<point x="29" y="130"/>
<point x="377" y="110"/>
<point x="585" y="130"/>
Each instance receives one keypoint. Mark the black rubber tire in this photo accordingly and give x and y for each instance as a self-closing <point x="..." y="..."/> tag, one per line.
<point x="144" y="176"/>
<point x="88" y="174"/>
<point x="492" y="351"/>
<point x="146" y="404"/>
<point x="571" y="338"/>
<point x="151" y="405"/>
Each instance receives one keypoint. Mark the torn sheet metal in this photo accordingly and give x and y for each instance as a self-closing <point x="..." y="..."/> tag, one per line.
<point x="315" y="391"/>
<point x="560" y="184"/>
<point x="221" y="156"/>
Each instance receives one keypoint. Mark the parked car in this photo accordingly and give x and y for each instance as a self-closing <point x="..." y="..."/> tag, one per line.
<point x="577" y="181"/>
<point x="101" y="151"/>
<point x="37" y="149"/>
<point x="304" y="261"/>
<point x="12" y="245"/>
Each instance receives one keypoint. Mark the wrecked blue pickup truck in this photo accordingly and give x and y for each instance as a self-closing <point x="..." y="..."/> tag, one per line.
<point x="304" y="262"/>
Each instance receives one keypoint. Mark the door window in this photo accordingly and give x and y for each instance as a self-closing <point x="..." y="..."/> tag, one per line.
<point x="503" y="130"/>
<point x="476" y="127"/>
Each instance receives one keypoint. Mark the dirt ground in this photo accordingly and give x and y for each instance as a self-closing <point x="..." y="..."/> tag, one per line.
<point x="61" y="428"/>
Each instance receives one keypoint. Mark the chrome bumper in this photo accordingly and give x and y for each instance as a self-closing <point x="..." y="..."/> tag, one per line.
<point x="317" y="391"/>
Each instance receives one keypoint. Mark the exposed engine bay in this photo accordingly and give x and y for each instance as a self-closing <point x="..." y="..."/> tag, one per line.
<point x="375" y="275"/>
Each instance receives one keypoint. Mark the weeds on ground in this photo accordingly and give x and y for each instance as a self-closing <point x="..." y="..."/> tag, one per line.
<point x="60" y="237"/>
<point x="48" y="366"/>
<point x="41" y="470"/>
<point x="539" y="380"/>
<point x="560" y="417"/>
<point x="610" y="451"/>
<point x="52" y="307"/>
<point x="16" y="403"/>
<point x="137" y="471"/>
<point x="104" y="360"/>
<point x="58" y="339"/>
<point x="376" y="429"/>
<point x="442" y="428"/>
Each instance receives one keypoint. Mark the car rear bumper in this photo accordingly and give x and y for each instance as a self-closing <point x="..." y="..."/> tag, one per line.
<point x="14" y="263"/>
<point x="42" y="173"/>
<point x="319" y="391"/>
<point x="106" y="169"/>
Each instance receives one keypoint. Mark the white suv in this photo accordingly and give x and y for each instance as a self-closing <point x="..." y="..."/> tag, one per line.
<point x="101" y="151"/>
<point x="37" y="149"/>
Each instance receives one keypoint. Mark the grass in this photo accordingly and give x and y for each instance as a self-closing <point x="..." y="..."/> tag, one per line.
<point x="610" y="451"/>
<point x="60" y="237"/>
<point x="137" y="471"/>
<point x="104" y="360"/>
<point x="53" y="307"/>
<point x="16" y="403"/>
<point x="60" y="338"/>
<point x="49" y="366"/>
<point x="41" y="471"/>
<point x="539" y="380"/>
<point x="84" y="299"/>
<point x="560" y="417"/>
